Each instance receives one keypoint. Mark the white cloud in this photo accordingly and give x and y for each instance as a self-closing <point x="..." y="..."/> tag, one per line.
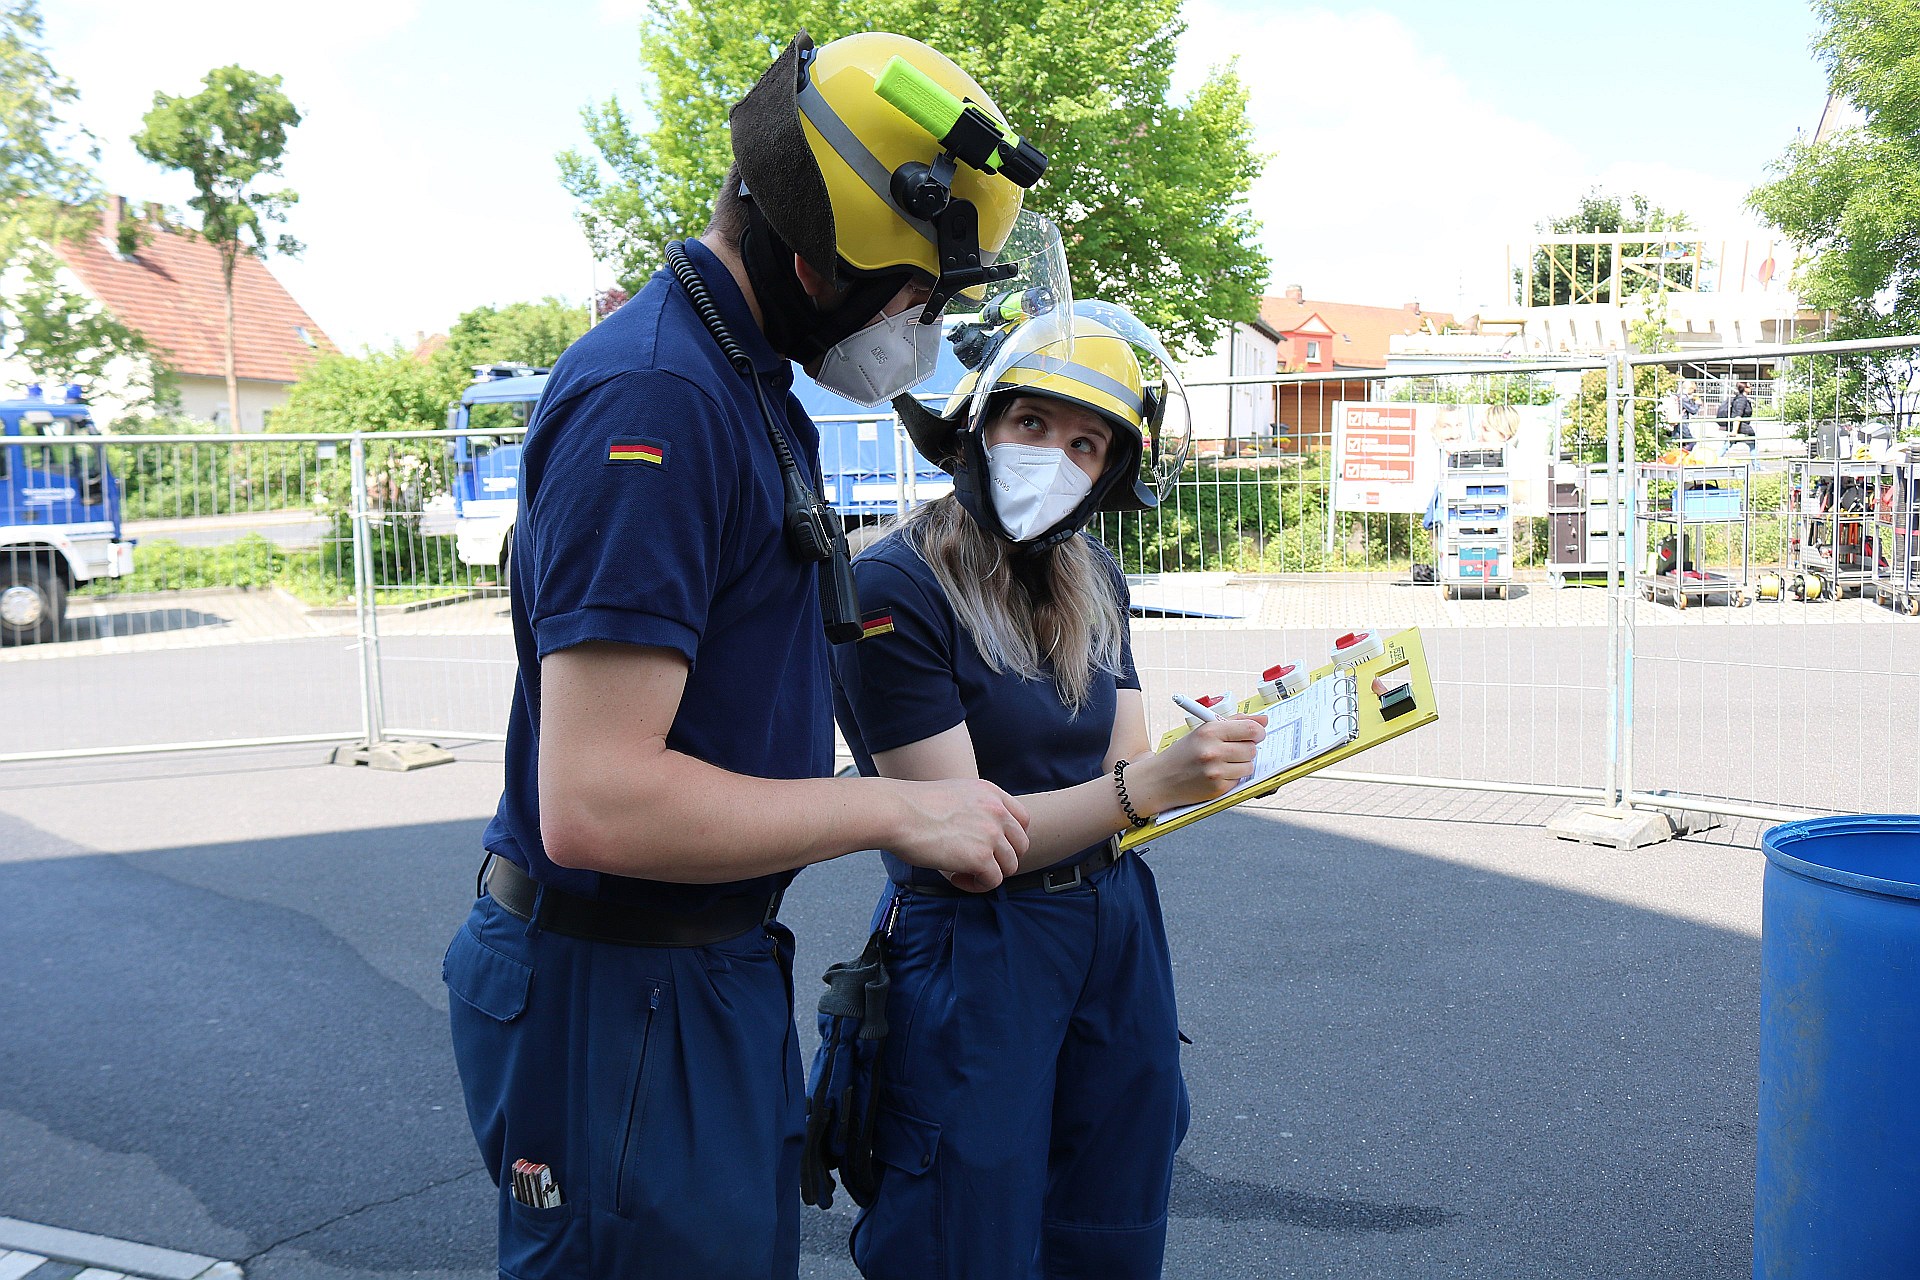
<point x="1393" y="178"/>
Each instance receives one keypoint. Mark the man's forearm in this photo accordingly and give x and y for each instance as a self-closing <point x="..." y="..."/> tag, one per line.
<point x="674" y="818"/>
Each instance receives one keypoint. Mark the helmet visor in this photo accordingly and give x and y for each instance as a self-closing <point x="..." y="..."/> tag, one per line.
<point x="1027" y="277"/>
<point x="1168" y="418"/>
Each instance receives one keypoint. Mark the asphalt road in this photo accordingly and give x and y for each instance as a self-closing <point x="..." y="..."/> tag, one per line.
<point x="1428" y="1040"/>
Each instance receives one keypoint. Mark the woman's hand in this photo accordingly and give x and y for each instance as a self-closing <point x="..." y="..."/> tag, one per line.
<point x="1203" y="765"/>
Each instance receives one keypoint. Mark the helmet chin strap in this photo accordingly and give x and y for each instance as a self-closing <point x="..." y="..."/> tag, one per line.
<point x="795" y="325"/>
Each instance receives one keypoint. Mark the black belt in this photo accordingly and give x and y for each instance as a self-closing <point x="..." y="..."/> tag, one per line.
<point x="627" y="924"/>
<point x="1050" y="879"/>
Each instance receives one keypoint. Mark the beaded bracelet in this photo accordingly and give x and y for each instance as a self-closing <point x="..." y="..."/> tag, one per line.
<point x="1120" y="785"/>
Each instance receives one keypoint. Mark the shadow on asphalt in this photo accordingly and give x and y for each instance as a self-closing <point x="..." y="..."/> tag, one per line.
<point x="138" y="622"/>
<point x="1401" y="1065"/>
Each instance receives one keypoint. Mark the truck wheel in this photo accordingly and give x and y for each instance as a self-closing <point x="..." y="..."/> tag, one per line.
<point x="33" y="601"/>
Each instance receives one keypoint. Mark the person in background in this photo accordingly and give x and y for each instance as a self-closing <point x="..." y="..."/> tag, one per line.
<point x="1678" y="409"/>
<point x="1739" y="416"/>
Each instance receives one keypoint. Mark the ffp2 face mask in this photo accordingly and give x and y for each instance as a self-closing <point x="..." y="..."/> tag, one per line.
<point x="895" y="353"/>
<point x="1034" y="488"/>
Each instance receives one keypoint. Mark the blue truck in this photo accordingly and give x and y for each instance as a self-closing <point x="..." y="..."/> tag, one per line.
<point x="59" y="513"/>
<point x="865" y="461"/>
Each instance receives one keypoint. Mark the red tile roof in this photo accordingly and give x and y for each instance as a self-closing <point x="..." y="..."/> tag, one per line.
<point x="1360" y="332"/>
<point x="169" y="292"/>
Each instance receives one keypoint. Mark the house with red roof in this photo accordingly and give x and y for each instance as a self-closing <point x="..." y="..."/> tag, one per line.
<point x="1322" y="337"/>
<point x="168" y="290"/>
<point x="1332" y="338"/>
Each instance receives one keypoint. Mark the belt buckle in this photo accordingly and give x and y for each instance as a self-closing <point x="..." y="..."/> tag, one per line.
<point x="1078" y="878"/>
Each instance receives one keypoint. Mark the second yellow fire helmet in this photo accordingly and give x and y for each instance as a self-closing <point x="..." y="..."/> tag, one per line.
<point x="1103" y="359"/>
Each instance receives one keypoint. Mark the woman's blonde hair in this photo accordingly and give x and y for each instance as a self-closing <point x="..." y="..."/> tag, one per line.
<point x="1076" y="629"/>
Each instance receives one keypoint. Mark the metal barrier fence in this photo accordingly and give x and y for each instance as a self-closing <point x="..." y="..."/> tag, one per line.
<point x="1763" y="669"/>
<point x="332" y="588"/>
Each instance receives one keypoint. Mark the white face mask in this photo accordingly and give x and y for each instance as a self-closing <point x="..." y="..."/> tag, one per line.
<point x="893" y="354"/>
<point x="1034" y="488"/>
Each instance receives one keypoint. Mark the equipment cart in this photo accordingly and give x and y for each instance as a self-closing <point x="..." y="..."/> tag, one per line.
<point x="1582" y="511"/>
<point x="1476" y="521"/>
<point x="1896" y="521"/>
<point x="1694" y="498"/>
<point x="1832" y="547"/>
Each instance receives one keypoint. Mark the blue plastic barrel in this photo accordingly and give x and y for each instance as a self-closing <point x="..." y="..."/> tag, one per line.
<point x="1837" y="1187"/>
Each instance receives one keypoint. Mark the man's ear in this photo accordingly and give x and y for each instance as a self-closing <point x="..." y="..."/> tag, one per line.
<point x="818" y="287"/>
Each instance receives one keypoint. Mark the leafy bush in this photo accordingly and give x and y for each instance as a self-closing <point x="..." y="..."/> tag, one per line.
<point x="165" y="565"/>
<point x="422" y="567"/>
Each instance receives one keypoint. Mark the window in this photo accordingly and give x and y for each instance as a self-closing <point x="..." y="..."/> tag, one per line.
<point x="1313" y="353"/>
<point x="512" y="413"/>
<point x="75" y="464"/>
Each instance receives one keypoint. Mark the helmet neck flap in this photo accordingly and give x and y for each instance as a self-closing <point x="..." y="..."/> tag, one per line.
<point x="794" y="324"/>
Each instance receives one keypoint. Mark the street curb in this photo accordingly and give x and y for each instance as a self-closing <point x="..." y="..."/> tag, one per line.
<point x="128" y="1256"/>
<point x="181" y="593"/>
<point x="390" y="610"/>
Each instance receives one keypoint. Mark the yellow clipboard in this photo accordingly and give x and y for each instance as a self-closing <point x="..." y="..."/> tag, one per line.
<point x="1403" y="650"/>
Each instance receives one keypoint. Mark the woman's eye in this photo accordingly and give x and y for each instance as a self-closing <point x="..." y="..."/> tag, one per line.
<point x="1083" y="444"/>
<point x="1032" y="423"/>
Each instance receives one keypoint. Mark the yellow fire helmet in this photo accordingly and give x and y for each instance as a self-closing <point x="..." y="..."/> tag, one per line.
<point x="1099" y="363"/>
<point x="875" y="155"/>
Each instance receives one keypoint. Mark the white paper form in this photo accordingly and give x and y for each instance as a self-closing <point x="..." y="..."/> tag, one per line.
<point x="1322" y="716"/>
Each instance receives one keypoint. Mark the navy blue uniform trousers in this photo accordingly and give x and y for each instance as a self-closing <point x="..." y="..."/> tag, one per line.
<point x="661" y="1084"/>
<point x="1033" y="1098"/>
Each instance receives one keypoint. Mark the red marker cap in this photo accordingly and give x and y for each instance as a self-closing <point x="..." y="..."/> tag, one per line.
<point x="1274" y="673"/>
<point x="1351" y="639"/>
<point x="1211" y="699"/>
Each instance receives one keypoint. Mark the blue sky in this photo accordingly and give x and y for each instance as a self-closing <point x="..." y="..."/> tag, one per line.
<point x="1411" y="141"/>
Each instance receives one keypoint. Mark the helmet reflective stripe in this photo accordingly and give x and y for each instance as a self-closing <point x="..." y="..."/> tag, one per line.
<point x="815" y="110"/>
<point x="1126" y="398"/>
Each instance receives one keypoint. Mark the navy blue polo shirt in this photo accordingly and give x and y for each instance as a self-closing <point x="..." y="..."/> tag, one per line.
<point x="918" y="673"/>
<point x="650" y="514"/>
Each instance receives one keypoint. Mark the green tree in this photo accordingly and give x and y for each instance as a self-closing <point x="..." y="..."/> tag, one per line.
<point x="393" y="391"/>
<point x="48" y="193"/>
<point x="65" y="336"/>
<point x="1151" y="193"/>
<point x="227" y="137"/>
<point x="532" y="333"/>
<point x="1597" y="273"/>
<point x="45" y="161"/>
<point x="1586" y="423"/>
<point x="1853" y="198"/>
<point x="378" y="391"/>
<point x="1476" y="388"/>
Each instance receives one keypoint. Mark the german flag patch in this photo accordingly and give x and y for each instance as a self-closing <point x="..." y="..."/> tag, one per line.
<point x="876" y="624"/>
<point x="649" y="452"/>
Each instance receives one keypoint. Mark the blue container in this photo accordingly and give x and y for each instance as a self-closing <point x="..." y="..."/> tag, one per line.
<point x="1837" y="1188"/>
